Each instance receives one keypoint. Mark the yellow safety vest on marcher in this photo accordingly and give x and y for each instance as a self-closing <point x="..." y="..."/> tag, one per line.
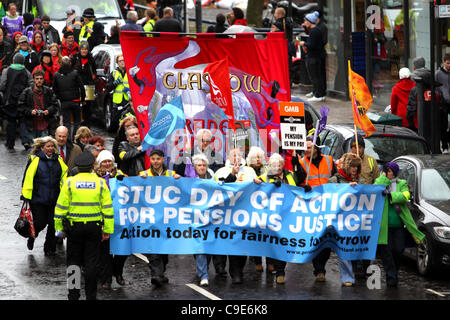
<point x="28" y="182"/>
<point x="85" y="198"/>
<point x="118" y="94"/>
<point x="289" y="178"/>
<point x="84" y="34"/>
<point x="168" y="173"/>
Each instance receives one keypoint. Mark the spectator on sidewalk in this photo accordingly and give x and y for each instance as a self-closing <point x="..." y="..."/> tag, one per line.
<point x="131" y="22"/>
<point x="315" y="52"/>
<point x="400" y="94"/>
<point x="442" y="76"/>
<point x="167" y="23"/>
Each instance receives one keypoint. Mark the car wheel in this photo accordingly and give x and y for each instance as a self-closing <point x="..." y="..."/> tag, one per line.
<point x="425" y="256"/>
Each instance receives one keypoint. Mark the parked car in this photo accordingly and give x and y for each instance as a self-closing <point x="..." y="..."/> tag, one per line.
<point x="309" y="109"/>
<point x="428" y="179"/>
<point x="387" y="143"/>
<point x="105" y="60"/>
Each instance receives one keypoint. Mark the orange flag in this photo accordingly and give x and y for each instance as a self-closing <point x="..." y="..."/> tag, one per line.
<point x="361" y="101"/>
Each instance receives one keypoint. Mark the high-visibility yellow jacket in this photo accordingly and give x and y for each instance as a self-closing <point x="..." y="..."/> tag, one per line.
<point x="30" y="173"/>
<point x="118" y="94"/>
<point x="167" y="173"/>
<point x="288" y="175"/>
<point x="84" y="198"/>
<point x="84" y="34"/>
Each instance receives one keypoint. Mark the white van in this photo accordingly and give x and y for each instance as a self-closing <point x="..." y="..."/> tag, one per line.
<point x="106" y="11"/>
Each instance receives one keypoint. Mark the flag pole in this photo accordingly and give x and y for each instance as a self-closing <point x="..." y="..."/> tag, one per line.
<point x="350" y="89"/>
<point x="356" y="139"/>
<point x="312" y="151"/>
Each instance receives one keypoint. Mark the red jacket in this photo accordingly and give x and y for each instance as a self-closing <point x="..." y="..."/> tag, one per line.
<point x="65" y="51"/>
<point x="399" y="99"/>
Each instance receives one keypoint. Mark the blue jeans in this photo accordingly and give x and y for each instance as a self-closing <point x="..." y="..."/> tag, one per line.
<point x="202" y="263"/>
<point x="346" y="270"/>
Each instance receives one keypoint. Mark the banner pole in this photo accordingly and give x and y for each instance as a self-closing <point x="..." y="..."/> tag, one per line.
<point x="356" y="139"/>
<point x="312" y="151"/>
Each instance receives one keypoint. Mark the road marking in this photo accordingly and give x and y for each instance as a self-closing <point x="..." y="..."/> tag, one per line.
<point x="2" y="177"/>
<point x="141" y="256"/>
<point x="202" y="291"/>
<point x="437" y="293"/>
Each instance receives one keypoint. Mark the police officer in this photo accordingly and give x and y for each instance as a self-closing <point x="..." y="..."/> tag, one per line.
<point x="84" y="213"/>
<point x="88" y="19"/>
<point x="118" y="81"/>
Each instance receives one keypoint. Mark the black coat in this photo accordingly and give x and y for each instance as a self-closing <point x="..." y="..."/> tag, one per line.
<point x="167" y="25"/>
<point x="67" y="85"/>
<point x="132" y="161"/>
<point x="87" y="71"/>
<point x="12" y="84"/>
<point x="6" y="50"/>
<point x="26" y="104"/>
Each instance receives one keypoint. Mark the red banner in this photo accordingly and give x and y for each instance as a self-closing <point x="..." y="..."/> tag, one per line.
<point x="219" y="82"/>
<point x="162" y="68"/>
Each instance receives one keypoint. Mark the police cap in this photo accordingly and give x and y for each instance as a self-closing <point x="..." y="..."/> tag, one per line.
<point x="85" y="160"/>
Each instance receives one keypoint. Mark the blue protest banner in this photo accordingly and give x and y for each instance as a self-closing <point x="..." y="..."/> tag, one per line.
<point x="189" y="216"/>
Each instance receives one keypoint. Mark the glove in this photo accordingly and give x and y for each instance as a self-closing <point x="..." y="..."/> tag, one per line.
<point x="278" y="183"/>
<point x="307" y="188"/>
<point x="385" y="192"/>
<point x="60" y="234"/>
<point x="126" y="89"/>
<point x="120" y="177"/>
<point x="117" y="82"/>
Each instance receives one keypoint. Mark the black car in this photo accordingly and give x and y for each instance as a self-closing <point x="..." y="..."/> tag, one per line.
<point x="428" y="178"/>
<point x="387" y="143"/>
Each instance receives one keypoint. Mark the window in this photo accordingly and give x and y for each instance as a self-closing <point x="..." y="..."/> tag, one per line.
<point x="408" y="173"/>
<point x="329" y="143"/>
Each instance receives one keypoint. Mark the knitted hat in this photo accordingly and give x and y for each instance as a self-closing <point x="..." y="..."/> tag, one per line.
<point x="105" y="155"/>
<point x="404" y="73"/>
<point x="37" y="21"/>
<point x="18" y="58"/>
<point x="361" y="142"/>
<point x="419" y="62"/>
<point x="393" y="166"/>
<point x="312" y="17"/>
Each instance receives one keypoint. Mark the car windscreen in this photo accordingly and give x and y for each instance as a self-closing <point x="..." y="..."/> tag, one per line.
<point x="435" y="183"/>
<point x="56" y="10"/>
<point x="386" y="148"/>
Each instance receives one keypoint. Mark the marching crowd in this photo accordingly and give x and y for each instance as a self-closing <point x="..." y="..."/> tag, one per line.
<point x="66" y="178"/>
<point x="67" y="187"/>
